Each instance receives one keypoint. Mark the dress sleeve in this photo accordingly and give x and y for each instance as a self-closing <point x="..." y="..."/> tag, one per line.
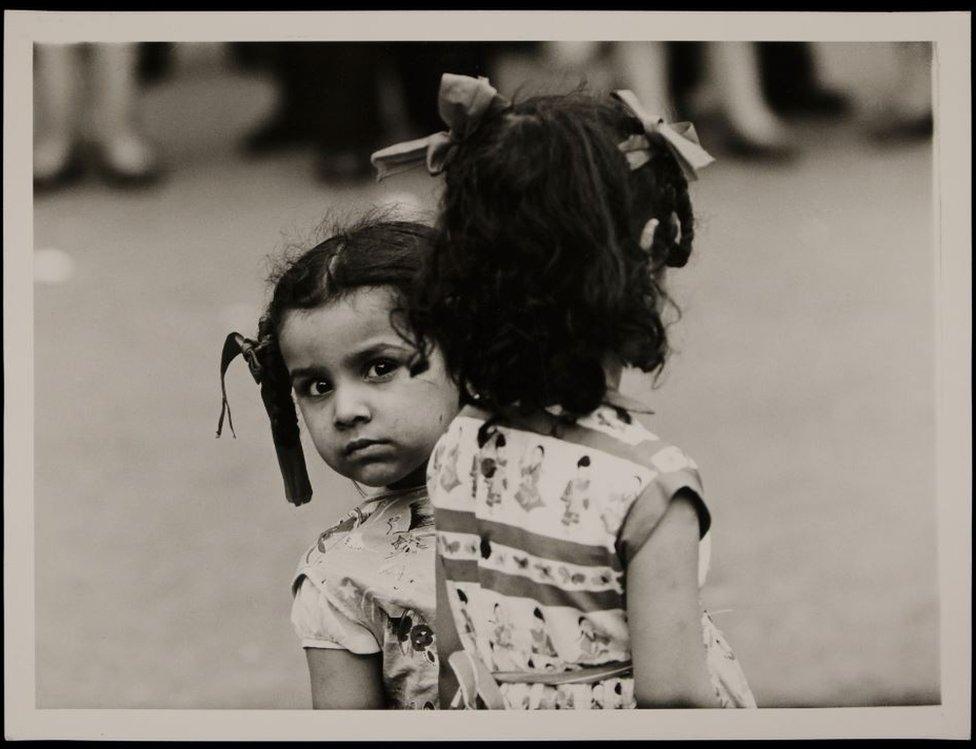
<point x="320" y="624"/>
<point x="676" y="473"/>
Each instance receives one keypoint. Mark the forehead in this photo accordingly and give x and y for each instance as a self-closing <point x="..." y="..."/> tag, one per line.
<point x="333" y="331"/>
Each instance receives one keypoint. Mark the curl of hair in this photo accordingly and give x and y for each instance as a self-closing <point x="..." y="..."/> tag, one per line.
<point x="537" y="279"/>
<point x="376" y="251"/>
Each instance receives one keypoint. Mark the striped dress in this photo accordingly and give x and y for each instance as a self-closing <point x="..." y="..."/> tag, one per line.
<point x="534" y="530"/>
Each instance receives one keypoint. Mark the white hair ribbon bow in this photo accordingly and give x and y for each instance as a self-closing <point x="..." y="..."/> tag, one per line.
<point x="680" y="137"/>
<point x="462" y="101"/>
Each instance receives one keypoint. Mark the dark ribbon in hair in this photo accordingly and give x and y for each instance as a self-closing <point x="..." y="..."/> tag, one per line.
<point x="462" y="101"/>
<point x="291" y="459"/>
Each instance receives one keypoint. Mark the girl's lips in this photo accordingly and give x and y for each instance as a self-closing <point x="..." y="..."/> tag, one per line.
<point x="364" y="446"/>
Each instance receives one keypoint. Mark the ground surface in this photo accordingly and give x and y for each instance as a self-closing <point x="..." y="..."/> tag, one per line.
<point x="802" y="385"/>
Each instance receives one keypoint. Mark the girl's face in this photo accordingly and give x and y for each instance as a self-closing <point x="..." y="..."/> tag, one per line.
<point x="369" y="419"/>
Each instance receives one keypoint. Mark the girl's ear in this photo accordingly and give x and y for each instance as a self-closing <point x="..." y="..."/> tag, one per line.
<point x="647" y="234"/>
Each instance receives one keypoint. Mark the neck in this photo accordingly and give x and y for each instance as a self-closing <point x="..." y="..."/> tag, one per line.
<point x="614" y="369"/>
<point x="416" y="479"/>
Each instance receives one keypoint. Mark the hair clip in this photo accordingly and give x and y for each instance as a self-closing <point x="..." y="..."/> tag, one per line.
<point x="288" y="445"/>
<point x="681" y="138"/>
<point x="461" y="102"/>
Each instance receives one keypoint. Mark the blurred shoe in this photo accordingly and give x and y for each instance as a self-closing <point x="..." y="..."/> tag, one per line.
<point x="898" y="130"/>
<point x="754" y="132"/>
<point x="719" y="135"/>
<point x="811" y="102"/>
<point x="276" y="135"/>
<point x="56" y="165"/>
<point x="741" y="146"/>
<point x="346" y="165"/>
<point x="127" y="160"/>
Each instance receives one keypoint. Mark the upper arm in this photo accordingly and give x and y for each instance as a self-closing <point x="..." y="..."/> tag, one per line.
<point x="345" y="662"/>
<point x="342" y="680"/>
<point x="664" y="614"/>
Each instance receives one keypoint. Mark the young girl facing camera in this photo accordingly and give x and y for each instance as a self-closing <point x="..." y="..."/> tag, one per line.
<point x="364" y="592"/>
<point x="572" y="541"/>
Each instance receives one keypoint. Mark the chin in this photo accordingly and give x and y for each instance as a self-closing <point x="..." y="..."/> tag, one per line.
<point x="376" y="479"/>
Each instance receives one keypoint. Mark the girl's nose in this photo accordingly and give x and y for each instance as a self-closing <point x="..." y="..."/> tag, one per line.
<point x="350" y="409"/>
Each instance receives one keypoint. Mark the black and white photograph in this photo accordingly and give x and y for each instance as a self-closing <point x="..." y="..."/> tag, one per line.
<point x="414" y="361"/>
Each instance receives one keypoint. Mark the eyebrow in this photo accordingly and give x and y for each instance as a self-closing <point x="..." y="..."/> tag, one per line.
<point x="374" y="349"/>
<point x="355" y="358"/>
<point x="302" y="372"/>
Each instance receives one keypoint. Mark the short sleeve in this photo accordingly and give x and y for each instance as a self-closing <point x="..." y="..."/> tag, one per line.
<point x="320" y="624"/>
<point x="676" y="474"/>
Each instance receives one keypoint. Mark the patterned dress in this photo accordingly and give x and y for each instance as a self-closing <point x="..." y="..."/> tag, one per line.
<point x="367" y="586"/>
<point x="534" y="559"/>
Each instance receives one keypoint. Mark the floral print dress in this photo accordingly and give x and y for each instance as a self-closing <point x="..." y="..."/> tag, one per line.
<point x="367" y="586"/>
<point x="534" y="540"/>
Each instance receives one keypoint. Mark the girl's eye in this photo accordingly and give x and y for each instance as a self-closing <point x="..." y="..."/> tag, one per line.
<point x="381" y="369"/>
<point x="318" y="388"/>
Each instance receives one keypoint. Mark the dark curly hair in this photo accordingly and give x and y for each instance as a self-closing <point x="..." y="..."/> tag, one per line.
<point x="375" y="251"/>
<point x="537" y="278"/>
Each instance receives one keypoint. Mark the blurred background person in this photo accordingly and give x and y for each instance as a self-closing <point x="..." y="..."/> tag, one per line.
<point x="417" y="69"/>
<point x="717" y="84"/>
<point x="731" y="95"/>
<point x="344" y="98"/>
<point x="88" y="116"/>
<point x="736" y="91"/>
<point x="792" y="84"/>
<point x="327" y="98"/>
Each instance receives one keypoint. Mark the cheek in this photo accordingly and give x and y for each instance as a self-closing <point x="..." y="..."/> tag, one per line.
<point x="444" y="393"/>
<point x="445" y="405"/>
<point x="317" y="425"/>
<point x="426" y="410"/>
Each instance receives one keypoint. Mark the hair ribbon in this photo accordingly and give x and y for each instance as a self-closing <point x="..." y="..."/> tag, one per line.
<point x="291" y="459"/>
<point x="680" y="137"/>
<point x="235" y="345"/>
<point x="462" y="101"/>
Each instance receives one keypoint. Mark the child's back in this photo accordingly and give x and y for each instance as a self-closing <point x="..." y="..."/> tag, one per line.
<point x="535" y="531"/>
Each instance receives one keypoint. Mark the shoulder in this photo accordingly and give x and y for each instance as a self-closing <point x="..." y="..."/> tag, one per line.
<point x="330" y="542"/>
<point x="618" y="432"/>
<point x="364" y="533"/>
<point x="659" y="469"/>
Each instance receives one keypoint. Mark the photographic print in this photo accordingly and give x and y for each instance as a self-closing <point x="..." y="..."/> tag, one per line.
<point x="577" y="366"/>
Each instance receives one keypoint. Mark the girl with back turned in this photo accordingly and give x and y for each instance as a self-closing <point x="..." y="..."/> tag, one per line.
<point x="572" y="541"/>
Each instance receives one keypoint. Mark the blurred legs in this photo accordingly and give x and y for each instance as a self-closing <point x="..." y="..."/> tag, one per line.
<point x="575" y="62"/>
<point x="125" y="152"/>
<point x="643" y="67"/>
<point x="791" y="80"/>
<point x="56" y="94"/>
<point x="733" y="72"/>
